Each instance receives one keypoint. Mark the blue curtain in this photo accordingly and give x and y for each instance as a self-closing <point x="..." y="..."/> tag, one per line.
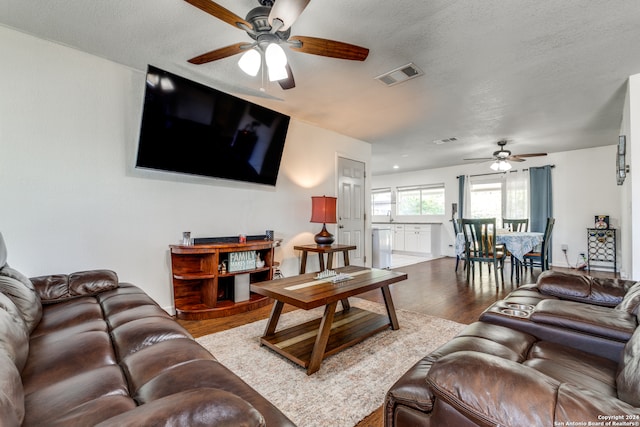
<point x="461" y="179"/>
<point x="541" y="197"/>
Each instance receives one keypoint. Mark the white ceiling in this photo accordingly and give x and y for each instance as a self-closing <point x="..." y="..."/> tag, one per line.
<point x="549" y="75"/>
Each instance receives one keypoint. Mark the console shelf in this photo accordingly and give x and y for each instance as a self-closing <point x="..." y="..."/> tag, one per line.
<point x="202" y="291"/>
<point x="601" y="246"/>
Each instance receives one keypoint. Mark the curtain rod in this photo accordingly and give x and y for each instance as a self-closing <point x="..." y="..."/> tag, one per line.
<point x="500" y="173"/>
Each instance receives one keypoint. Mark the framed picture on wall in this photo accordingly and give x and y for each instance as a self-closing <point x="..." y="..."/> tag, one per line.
<point x="602" y="222"/>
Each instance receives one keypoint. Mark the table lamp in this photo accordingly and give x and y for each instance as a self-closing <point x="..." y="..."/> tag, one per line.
<point x="323" y="211"/>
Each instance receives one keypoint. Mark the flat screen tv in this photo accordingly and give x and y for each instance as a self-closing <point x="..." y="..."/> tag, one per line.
<point x="191" y="128"/>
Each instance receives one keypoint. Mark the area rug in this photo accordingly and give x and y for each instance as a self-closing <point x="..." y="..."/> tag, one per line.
<point x="349" y="385"/>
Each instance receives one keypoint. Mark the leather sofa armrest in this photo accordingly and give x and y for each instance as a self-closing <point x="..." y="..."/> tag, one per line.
<point x="575" y="287"/>
<point x="410" y="390"/>
<point x="490" y="390"/>
<point x="587" y="318"/>
<point x="191" y="408"/>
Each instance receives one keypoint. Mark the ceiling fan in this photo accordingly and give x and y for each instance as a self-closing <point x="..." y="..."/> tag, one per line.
<point x="269" y="25"/>
<point x="502" y="157"/>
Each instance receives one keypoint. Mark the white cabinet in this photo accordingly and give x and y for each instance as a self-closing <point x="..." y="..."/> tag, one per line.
<point x="398" y="237"/>
<point x="417" y="238"/>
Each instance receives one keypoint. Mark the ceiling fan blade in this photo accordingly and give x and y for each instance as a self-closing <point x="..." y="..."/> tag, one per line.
<point x="480" y="159"/>
<point x="219" y="12"/>
<point x="289" y="82"/>
<point x="223" y="52"/>
<point x="530" y="155"/>
<point x="514" y="159"/>
<point x="330" y="48"/>
<point x="287" y="11"/>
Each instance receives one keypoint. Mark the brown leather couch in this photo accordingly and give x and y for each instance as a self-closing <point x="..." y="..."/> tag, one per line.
<point x="85" y="350"/>
<point x="532" y="369"/>
<point x="581" y="312"/>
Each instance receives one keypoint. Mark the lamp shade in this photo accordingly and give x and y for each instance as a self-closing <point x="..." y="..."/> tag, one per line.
<point x="274" y="55"/>
<point x="277" y="73"/>
<point x="323" y="209"/>
<point x="250" y="62"/>
<point x="276" y="61"/>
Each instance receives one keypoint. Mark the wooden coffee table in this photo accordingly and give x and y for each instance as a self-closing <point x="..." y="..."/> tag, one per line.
<point x="309" y="343"/>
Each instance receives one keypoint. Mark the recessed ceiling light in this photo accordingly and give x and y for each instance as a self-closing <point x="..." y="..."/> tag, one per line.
<point x="396" y="167"/>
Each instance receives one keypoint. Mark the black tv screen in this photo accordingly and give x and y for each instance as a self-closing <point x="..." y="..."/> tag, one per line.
<point x="191" y="128"/>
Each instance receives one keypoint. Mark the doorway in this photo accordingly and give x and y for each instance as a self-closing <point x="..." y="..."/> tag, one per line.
<point x="351" y="208"/>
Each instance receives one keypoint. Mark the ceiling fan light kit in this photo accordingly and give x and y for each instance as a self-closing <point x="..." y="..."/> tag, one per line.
<point x="269" y="26"/>
<point x="502" y="157"/>
<point x="500" y="166"/>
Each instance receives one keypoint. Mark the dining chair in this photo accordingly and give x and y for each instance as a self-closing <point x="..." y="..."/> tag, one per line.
<point x="541" y="258"/>
<point x="480" y="246"/>
<point x="515" y="225"/>
<point x="519" y="225"/>
<point x="456" y="231"/>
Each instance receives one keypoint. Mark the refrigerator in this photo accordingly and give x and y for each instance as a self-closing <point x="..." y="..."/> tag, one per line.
<point x="381" y="247"/>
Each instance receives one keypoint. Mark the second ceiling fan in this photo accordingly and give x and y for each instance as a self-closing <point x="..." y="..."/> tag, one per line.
<point x="269" y="25"/>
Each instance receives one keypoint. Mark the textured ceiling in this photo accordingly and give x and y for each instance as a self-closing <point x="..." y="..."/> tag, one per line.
<point x="548" y="75"/>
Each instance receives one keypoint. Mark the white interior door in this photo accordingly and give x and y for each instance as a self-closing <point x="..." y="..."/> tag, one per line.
<point x="351" y="208"/>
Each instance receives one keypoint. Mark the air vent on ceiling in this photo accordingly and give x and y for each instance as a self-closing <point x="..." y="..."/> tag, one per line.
<point x="444" y="141"/>
<point x="400" y="74"/>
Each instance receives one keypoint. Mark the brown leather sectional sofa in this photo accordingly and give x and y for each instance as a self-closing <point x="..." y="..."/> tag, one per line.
<point x="85" y="350"/>
<point x="562" y="352"/>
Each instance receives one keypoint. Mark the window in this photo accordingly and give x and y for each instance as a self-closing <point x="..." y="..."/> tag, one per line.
<point x="505" y="196"/>
<point x="422" y="200"/>
<point x="486" y="198"/>
<point x="381" y="201"/>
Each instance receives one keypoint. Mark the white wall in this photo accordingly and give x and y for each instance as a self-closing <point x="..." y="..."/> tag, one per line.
<point x="584" y="185"/>
<point x="72" y="200"/>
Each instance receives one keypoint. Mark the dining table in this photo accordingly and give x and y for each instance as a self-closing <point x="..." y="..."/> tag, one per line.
<point x="518" y="243"/>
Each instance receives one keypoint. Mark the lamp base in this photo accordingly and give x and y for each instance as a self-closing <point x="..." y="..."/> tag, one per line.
<point x="324" y="238"/>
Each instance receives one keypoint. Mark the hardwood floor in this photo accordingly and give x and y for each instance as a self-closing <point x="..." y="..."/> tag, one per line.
<point x="432" y="287"/>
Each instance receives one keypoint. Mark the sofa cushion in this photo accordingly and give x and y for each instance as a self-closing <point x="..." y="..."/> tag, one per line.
<point x="70" y="317"/>
<point x="83" y="399"/>
<point x="55" y="287"/>
<point x="567" y="365"/>
<point x="14" y="338"/>
<point x="23" y="294"/>
<point x="142" y="333"/>
<point x="631" y="299"/>
<point x="3" y="252"/>
<point x="92" y="282"/>
<point x="590" y="319"/>
<point x="193" y="408"/>
<point x="146" y="364"/>
<point x="600" y="291"/>
<point x="628" y="379"/>
<point x="11" y="392"/>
